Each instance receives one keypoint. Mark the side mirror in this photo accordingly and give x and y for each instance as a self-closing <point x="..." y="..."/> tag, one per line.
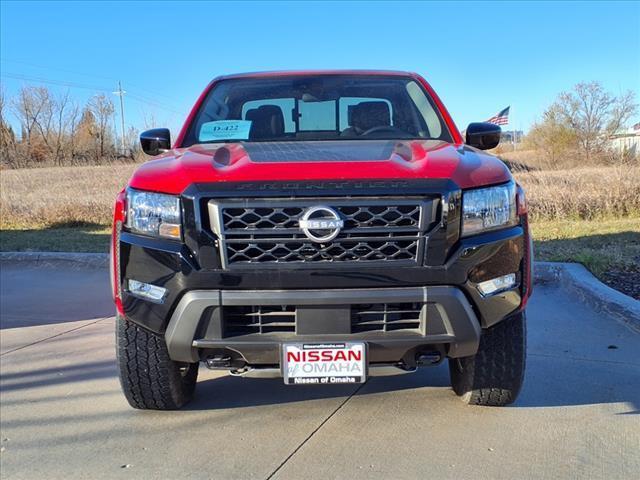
<point x="155" y="141"/>
<point x="483" y="135"/>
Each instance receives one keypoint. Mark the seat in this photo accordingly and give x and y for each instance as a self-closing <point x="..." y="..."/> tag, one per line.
<point x="267" y="122"/>
<point x="365" y="116"/>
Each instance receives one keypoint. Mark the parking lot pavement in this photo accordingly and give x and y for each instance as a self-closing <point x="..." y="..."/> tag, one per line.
<point x="46" y="295"/>
<point x="63" y="416"/>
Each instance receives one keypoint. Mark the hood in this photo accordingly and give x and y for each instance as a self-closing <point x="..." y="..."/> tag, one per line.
<point x="175" y="170"/>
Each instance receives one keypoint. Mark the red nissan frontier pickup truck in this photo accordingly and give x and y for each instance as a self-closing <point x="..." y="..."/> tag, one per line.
<point x="321" y="227"/>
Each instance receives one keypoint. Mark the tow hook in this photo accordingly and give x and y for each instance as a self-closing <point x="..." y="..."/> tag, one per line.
<point x="425" y="359"/>
<point x="218" y="361"/>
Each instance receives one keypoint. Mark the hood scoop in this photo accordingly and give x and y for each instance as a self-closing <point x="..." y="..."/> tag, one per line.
<point x="320" y="151"/>
<point x="222" y="157"/>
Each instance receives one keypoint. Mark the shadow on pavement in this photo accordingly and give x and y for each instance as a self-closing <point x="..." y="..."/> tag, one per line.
<point x="546" y="385"/>
<point x="549" y="383"/>
<point x="47" y="377"/>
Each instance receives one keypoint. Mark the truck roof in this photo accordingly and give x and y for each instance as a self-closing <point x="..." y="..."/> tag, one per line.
<point x="290" y="73"/>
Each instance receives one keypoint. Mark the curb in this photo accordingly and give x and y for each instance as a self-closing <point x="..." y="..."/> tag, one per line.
<point x="52" y="259"/>
<point x="579" y="282"/>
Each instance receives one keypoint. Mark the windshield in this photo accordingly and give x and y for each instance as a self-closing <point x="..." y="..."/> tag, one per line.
<point x="323" y="107"/>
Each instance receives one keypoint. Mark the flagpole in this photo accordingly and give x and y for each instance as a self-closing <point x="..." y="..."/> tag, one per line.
<point x="513" y="130"/>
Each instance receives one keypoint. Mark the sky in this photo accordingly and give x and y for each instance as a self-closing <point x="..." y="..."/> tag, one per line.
<point x="479" y="56"/>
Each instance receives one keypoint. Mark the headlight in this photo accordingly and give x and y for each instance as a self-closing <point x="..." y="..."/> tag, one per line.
<point x="153" y="214"/>
<point x="488" y="208"/>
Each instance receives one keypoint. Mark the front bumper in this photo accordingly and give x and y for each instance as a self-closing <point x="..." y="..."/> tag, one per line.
<point x="196" y="329"/>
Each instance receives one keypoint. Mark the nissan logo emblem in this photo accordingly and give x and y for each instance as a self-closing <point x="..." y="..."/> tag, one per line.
<point x="321" y="224"/>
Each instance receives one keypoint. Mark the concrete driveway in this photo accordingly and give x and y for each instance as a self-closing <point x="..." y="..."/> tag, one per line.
<point x="63" y="416"/>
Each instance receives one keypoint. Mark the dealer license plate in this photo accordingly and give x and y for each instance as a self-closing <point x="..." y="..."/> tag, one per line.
<point x="324" y="363"/>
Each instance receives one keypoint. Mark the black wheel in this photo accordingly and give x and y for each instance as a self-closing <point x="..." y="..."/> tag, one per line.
<point x="493" y="377"/>
<point x="149" y="378"/>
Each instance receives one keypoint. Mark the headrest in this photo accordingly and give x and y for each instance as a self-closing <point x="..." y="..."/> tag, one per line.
<point x="267" y="122"/>
<point x="367" y="115"/>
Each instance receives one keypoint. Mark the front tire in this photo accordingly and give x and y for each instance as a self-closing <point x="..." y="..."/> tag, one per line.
<point x="149" y="378"/>
<point x="493" y="377"/>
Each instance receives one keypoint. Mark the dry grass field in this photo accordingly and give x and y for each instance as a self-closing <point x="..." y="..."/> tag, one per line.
<point x="60" y="196"/>
<point x="75" y="196"/>
<point x="583" y="193"/>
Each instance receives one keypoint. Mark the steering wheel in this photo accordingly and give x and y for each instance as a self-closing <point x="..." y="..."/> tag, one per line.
<point x="385" y="129"/>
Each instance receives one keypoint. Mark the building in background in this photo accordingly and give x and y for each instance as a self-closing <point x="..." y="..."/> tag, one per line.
<point x="507" y="136"/>
<point x="627" y="141"/>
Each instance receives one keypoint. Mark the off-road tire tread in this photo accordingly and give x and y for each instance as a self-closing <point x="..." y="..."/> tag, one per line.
<point x="149" y="378"/>
<point x="494" y="376"/>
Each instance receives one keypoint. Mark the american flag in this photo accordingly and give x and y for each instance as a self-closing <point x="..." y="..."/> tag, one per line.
<point x="500" y="118"/>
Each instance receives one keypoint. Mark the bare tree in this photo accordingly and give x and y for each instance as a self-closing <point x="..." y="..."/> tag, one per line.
<point x="27" y="109"/>
<point x="7" y="136"/>
<point x="149" y="119"/>
<point x="44" y="120"/>
<point x="552" y="137"/>
<point x="132" y="142"/>
<point x="58" y="128"/>
<point x="624" y="108"/>
<point x="86" y="137"/>
<point x="594" y="114"/>
<point x="55" y="130"/>
<point x="73" y="118"/>
<point x="102" y="109"/>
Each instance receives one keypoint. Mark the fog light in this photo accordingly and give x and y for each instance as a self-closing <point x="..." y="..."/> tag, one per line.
<point x="147" y="291"/>
<point x="496" y="285"/>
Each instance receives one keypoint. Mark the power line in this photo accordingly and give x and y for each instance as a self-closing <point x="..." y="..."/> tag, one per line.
<point x="137" y="98"/>
<point x="58" y="69"/>
<point x="154" y="104"/>
<point x="44" y="67"/>
<point x="28" y="78"/>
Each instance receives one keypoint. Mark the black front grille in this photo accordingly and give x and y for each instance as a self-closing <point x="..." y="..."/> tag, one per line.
<point x="248" y="219"/>
<point x="267" y="231"/>
<point x="385" y="317"/>
<point x="262" y="319"/>
<point x="272" y="319"/>
<point x="260" y="252"/>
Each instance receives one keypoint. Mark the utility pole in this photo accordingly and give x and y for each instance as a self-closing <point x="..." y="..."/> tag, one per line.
<point x="121" y="93"/>
<point x="115" y="131"/>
